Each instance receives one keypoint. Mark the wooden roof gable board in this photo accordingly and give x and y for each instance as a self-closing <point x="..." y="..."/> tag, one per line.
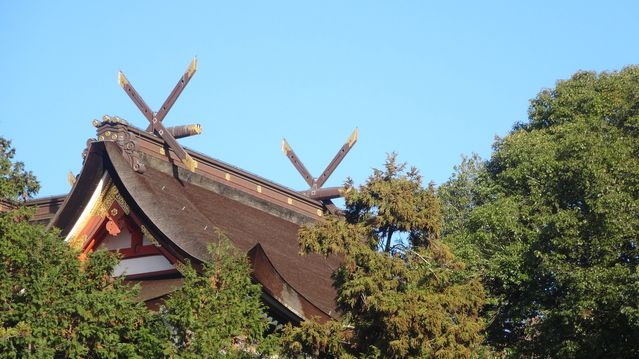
<point x="182" y="209"/>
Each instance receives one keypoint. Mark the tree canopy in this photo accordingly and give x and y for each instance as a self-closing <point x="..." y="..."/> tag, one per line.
<point x="401" y="291"/>
<point x="51" y="303"/>
<point x="217" y="312"/>
<point x="15" y="182"/>
<point x="551" y="221"/>
<point x="54" y="304"/>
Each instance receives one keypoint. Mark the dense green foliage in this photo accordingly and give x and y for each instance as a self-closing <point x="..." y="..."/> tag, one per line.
<point x="409" y="299"/>
<point x="552" y="222"/>
<point x="15" y="182"/>
<point x="458" y="197"/>
<point x="52" y="304"/>
<point x="217" y="312"/>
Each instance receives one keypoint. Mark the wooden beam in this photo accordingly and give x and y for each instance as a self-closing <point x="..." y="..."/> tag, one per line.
<point x="352" y="139"/>
<point x="155" y="120"/>
<point x="177" y="90"/>
<point x="288" y="151"/>
<point x="135" y="96"/>
<point x="324" y="193"/>
<point x="186" y="159"/>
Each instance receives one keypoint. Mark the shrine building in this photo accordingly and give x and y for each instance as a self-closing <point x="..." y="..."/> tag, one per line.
<point x="158" y="204"/>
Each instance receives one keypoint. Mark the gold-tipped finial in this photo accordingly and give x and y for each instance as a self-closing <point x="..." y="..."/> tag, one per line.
<point x="197" y="129"/>
<point x="192" y="67"/>
<point x="122" y="80"/>
<point x="353" y="138"/>
<point x="190" y="163"/>
<point x="184" y="131"/>
<point x="285" y="147"/>
<point x="71" y="178"/>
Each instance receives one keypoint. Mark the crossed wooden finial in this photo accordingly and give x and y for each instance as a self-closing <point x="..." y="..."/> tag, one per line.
<point x="155" y="118"/>
<point x="324" y="195"/>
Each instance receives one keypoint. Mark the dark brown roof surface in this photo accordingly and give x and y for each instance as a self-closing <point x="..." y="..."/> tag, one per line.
<point x="45" y="208"/>
<point x="187" y="214"/>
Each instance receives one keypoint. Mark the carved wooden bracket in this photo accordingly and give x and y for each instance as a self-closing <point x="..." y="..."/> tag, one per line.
<point x="115" y="129"/>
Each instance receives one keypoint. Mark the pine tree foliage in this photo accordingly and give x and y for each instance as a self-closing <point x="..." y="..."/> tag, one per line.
<point x="318" y="340"/>
<point x="556" y="223"/>
<point x="52" y="305"/>
<point x="15" y="182"/>
<point x="218" y="312"/>
<point x="409" y="299"/>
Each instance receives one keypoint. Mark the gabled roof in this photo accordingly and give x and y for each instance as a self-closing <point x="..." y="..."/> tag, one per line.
<point x="44" y="208"/>
<point x="183" y="209"/>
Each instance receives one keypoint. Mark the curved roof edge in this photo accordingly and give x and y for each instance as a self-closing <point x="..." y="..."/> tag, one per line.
<point x="79" y="196"/>
<point x="273" y="282"/>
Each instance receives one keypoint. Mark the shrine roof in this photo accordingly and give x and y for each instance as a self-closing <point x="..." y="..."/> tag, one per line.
<point x="186" y="208"/>
<point x="153" y="152"/>
<point x="45" y="208"/>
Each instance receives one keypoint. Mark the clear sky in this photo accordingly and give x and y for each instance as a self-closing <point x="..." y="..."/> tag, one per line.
<point x="430" y="80"/>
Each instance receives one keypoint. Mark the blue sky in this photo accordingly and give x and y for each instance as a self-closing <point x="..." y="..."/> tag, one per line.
<point x="430" y="80"/>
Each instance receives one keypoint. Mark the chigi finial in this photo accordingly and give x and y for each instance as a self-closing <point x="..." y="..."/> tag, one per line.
<point x="324" y="195"/>
<point x="168" y="134"/>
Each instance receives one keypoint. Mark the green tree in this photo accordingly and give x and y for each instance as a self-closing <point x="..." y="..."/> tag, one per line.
<point x="555" y="222"/>
<point x="15" y="181"/>
<point x="401" y="291"/>
<point x="217" y="312"/>
<point x="51" y="304"/>
<point x="459" y="196"/>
